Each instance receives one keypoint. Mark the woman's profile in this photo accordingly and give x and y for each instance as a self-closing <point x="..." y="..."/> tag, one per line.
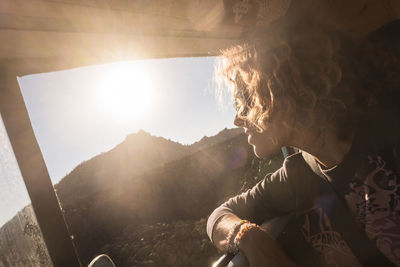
<point x="336" y="99"/>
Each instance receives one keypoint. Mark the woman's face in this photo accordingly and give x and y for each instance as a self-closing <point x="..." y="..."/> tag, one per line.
<point x="266" y="142"/>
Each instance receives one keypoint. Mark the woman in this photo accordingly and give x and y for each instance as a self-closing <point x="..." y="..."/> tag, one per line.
<point x="335" y="99"/>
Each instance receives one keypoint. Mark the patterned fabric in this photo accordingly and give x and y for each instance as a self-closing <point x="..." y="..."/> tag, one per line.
<point x="375" y="202"/>
<point x="329" y="244"/>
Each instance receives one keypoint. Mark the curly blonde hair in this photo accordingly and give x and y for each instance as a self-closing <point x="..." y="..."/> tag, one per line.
<point x="318" y="76"/>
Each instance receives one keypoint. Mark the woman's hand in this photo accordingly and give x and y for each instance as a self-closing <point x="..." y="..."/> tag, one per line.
<point x="258" y="247"/>
<point x="261" y="250"/>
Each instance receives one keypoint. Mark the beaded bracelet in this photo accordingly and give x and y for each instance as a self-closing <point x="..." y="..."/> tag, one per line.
<point x="243" y="229"/>
<point x="231" y="236"/>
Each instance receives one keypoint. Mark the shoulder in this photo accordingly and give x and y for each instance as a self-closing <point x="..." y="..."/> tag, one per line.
<point x="293" y="168"/>
<point x="295" y="165"/>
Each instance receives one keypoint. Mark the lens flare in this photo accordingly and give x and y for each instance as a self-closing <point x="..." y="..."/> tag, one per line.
<point x="239" y="159"/>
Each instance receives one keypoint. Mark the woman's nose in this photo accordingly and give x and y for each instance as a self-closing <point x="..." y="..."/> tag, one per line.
<point x="238" y="121"/>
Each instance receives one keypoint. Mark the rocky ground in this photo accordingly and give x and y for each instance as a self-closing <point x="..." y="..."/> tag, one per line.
<point x="181" y="243"/>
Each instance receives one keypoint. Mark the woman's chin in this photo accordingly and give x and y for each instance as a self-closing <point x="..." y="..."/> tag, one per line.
<point x="261" y="153"/>
<point x="265" y="151"/>
<point x="262" y="145"/>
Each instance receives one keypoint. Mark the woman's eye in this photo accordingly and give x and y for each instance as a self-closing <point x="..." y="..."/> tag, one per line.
<point x="236" y="105"/>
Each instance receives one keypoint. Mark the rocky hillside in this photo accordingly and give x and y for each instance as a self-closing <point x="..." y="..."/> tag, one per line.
<point x="222" y="136"/>
<point x="137" y="154"/>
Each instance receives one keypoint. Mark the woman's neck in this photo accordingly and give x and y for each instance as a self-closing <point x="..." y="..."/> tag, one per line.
<point x="327" y="148"/>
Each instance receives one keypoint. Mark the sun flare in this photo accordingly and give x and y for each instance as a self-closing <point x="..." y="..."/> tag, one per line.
<point x="127" y="92"/>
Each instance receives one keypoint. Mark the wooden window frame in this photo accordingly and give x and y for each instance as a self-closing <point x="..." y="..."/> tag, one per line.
<point x="33" y="169"/>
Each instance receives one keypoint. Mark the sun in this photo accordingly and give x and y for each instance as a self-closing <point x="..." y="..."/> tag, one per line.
<point x="126" y="92"/>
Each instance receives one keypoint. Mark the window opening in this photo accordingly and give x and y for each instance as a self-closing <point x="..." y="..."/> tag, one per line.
<point x="110" y="136"/>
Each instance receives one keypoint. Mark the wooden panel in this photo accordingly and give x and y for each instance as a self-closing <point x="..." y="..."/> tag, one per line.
<point x="58" y="16"/>
<point x="178" y="18"/>
<point x="77" y="49"/>
<point x="78" y="33"/>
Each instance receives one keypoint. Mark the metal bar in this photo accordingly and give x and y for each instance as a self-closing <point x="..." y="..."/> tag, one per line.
<point x="34" y="171"/>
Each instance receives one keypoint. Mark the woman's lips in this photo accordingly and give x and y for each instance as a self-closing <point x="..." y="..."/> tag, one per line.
<point x="250" y="135"/>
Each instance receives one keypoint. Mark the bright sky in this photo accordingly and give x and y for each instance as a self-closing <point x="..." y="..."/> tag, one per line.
<point x="79" y="113"/>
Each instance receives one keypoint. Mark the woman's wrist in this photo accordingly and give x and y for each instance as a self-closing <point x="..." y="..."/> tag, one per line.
<point x="237" y="234"/>
<point x="231" y="240"/>
<point x="256" y="245"/>
<point x="249" y="238"/>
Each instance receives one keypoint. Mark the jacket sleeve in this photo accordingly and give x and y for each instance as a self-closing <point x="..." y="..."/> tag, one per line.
<point x="271" y="197"/>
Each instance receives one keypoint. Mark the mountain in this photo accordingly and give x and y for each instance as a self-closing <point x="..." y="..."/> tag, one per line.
<point x="145" y="202"/>
<point x="137" y="154"/>
<point x="130" y="158"/>
<point x="222" y="136"/>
